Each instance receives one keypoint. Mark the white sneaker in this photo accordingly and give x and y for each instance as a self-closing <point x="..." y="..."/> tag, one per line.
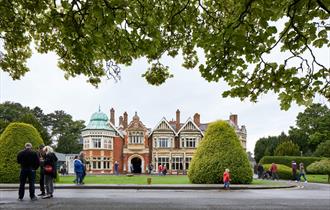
<point x="306" y="181"/>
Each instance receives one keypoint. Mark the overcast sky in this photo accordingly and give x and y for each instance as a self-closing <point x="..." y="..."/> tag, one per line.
<point x="45" y="86"/>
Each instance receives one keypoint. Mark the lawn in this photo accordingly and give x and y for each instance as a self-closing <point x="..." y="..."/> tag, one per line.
<point x="317" y="178"/>
<point x="141" y="179"/>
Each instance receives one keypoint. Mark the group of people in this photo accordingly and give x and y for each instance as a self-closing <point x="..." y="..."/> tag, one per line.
<point x="162" y="170"/>
<point x="30" y="161"/>
<point x="271" y="173"/>
<point x="297" y="172"/>
<point x="296" y="176"/>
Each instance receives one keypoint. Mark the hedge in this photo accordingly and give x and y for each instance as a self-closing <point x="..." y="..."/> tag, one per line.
<point x="12" y="141"/>
<point x="287" y="160"/>
<point x="320" y="167"/>
<point x="220" y="149"/>
<point x="283" y="171"/>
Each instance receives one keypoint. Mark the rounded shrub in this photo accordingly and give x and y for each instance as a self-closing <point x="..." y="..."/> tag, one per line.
<point x="12" y="141"/>
<point x="283" y="171"/>
<point x="320" y="167"/>
<point x="220" y="149"/>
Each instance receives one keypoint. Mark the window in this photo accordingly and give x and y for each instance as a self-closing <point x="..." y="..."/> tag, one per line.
<point x="96" y="143"/>
<point x="188" y="142"/>
<point x="163" y="142"/>
<point x="191" y="142"/>
<point x="86" y="144"/>
<point x="101" y="163"/>
<point x="164" y="161"/>
<point x="177" y="163"/>
<point x="106" y="163"/>
<point x="188" y="160"/>
<point x="136" y="138"/>
<point x="108" y="143"/>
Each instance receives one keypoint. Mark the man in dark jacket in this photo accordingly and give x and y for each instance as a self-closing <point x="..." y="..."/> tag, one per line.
<point x="29" y="161"/>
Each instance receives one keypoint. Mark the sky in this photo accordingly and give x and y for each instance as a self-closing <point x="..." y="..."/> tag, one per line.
<point x="45" y="86"/>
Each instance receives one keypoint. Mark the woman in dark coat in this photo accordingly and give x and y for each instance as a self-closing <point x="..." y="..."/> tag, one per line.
<point x="49" y="170"/>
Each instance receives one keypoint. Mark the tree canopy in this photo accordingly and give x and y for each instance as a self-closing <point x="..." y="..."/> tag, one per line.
<point x="312" y="128"/>
<point x="236" y="37"/>
<point x="57" y="127"/>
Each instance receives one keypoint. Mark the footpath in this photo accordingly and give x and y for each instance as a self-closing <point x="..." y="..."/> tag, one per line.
<point x="276" y="185"/>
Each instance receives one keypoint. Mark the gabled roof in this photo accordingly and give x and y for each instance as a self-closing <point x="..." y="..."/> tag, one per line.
<point x="118" y="131"/>
<point x="167" y="123"/>
<point x="190" y="120"/>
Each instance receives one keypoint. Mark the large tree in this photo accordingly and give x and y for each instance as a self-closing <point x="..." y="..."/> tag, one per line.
<point x="15" y="112"/>
<point x="92" y="37"/>
<point x="313" y="127"/>
<point x="66" y="132"/>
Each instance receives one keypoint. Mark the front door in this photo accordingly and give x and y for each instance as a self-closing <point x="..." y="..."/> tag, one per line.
<point x="136" y="165"/>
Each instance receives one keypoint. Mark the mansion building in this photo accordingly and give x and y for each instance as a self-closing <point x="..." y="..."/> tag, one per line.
<point x="134" y="146"/>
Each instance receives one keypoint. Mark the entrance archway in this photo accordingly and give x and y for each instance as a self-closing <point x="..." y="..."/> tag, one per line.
<point x="136" y="163"/>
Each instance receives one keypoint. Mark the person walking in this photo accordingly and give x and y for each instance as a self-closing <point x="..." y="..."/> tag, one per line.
<point x="78" y="169"/>
<point x="164" y="170"/>
<point x="294" y="171"/>
<point x="83" y="161"/>
<point x="226" y="179"/>
<point x="273" y="170"/>
<point x="50" y="171"/>
<point x="41" y="155"/>
<point x="302" y="172"/>
<point x="29" y="161"/>
<point x="160" y="170"/>
<point x="116" y="166"/>
<point x="150" y="168"/>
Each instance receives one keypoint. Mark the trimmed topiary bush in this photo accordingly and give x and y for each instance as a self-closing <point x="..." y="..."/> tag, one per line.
<point x="12" y="140"/>
<point x="220" y="149"/>
<point x="287" y="160"/>
<point x="320" y="167"/>
<point x="283" y="171"/>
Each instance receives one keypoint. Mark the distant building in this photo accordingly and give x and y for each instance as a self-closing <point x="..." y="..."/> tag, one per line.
<point x="134" y="146"/>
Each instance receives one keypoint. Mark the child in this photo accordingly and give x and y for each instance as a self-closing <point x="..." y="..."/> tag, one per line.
<point x="226" y="179"/>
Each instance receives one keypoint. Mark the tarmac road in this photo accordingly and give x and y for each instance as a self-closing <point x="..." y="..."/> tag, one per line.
<point x="312" y="196"/>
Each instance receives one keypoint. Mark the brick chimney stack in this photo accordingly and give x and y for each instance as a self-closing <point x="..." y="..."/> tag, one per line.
<point x="197" y="119"/>
<point x="177" y="124"/>
<point x="112" y="116"/>
<point x="120" y="121"/>
<point x="125" y="122"/>
<point x="233" y="118"/>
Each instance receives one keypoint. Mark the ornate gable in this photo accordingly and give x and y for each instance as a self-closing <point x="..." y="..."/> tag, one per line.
<point x="190" y="126"/>
<point x="136" y="124"/>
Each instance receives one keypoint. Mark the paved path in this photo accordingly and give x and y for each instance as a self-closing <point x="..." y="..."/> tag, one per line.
<point x="312" y="196"/>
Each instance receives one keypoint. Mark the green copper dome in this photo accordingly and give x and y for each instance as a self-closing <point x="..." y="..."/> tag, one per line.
<point x="99" y="121"/>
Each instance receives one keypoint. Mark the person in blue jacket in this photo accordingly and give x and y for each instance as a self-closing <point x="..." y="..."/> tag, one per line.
<point x="78" y="169"/>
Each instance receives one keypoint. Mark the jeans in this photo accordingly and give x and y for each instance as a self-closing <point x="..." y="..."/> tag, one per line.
<point x="302" y="175"/>
<point x="226" y="185"/>
<point x="49" y="181"/>
<point x="79" y="177"/>
<point x="31" y="175"/>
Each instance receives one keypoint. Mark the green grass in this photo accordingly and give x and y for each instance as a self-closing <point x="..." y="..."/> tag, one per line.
<point x="123" y="179"/>
<point x="317" y="178"/>
<point x="142" y="179"/>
